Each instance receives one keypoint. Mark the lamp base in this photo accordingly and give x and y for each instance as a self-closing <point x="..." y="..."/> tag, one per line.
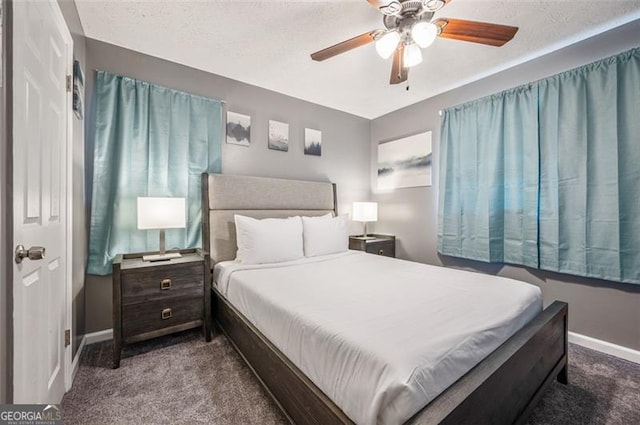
<point x="161" y="257"/>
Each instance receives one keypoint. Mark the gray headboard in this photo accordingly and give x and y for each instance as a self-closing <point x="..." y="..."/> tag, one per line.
<point x="259" y="197"/>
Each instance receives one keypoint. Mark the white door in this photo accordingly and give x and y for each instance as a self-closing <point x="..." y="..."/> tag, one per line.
<point x="42" y="59"/>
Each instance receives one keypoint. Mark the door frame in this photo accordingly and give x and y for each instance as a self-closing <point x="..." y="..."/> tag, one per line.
<point x="68" y="350"/>
<point x="68" y="146"/>
<point x="68" y="299"/>
<point x="7" y="190"/>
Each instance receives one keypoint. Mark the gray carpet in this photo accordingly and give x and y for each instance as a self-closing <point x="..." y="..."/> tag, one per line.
<point x="181" y="379"/>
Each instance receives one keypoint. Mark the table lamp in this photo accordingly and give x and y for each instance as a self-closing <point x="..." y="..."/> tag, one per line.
<point x="162" y="214"/>
<point x="365" y="212"/>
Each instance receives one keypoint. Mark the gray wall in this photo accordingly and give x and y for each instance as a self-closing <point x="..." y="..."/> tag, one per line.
<point x="604" y="310"/>
<point x="78" y="211"/>
<point x="345" y="138"/>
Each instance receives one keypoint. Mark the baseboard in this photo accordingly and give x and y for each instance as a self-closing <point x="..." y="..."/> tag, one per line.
<point x="100" y="336"/>
<point x="605" y="347"/>
<point x="76" y="360"/>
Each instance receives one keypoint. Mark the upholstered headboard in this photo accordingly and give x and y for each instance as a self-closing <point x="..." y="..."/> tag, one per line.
<point x="259" y="197"/>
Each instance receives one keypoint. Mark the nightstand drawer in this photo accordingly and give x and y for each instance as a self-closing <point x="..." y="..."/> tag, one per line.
<point x="142" y="285"/>
<point x="374" y="244"/>
<point x="382" y="248"/>
<point x="152" y="316"/>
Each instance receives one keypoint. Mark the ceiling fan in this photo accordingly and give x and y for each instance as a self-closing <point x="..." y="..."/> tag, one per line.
<point x="409" y="27"/>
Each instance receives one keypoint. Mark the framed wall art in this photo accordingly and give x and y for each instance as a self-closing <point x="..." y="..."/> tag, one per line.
<point x="312" y="142"/>
<point x="78" y="90"/>
<point x="278" y="136"/>
<point x="405" y="162"/>
<point x="238" y="129"/>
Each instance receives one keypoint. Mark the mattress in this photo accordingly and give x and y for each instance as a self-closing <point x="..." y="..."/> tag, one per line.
<point x="381" y="337"/>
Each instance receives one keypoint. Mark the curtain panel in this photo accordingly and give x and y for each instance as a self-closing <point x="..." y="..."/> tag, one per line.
<point x="149" y="141"/>
<point x="488" y="198"/>
<point x="590" y="170"/>
<point x="546" y="175"/>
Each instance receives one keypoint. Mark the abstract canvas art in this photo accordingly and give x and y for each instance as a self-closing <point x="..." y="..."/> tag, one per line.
<point x="278" y="136"/>
<point x="312" y="142"/>
<point x="238" y="129"/>
<point x="78" y="90"/>
<point x="405" y="162"/>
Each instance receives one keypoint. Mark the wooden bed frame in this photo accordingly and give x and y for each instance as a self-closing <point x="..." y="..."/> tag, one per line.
<point x="501" y="389"/>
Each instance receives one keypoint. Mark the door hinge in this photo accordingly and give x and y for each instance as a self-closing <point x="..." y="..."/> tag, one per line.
<point x="69" y="83"/>
<point x="67" y="337"/>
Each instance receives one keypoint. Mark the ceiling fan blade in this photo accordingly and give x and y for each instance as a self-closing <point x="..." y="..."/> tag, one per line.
<point x="475" y="32"/>
<point x="386" y="7"/>
<point x="345" y="46"/>
<point x="399" y="73"/>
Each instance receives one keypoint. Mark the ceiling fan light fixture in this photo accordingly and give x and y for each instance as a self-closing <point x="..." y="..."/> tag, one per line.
<point x="433" y="5"/>
<point x="387" y="44"/>
<point x="412" y="55"/>
<point x="424" y="33"/>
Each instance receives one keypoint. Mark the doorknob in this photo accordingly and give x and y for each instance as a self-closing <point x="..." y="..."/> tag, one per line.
<point x="33" y="253"/>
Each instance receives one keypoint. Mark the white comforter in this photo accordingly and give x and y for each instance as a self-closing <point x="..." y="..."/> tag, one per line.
<point x="381" y="337"/>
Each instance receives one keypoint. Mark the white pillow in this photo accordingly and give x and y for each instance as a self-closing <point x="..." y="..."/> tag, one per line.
<point x="270" y="240"/>
<point x="325" y="235"/>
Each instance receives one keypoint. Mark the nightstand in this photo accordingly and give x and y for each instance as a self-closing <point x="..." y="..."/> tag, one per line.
<point x="375" y="244"/>
<point x="152" y="299"/>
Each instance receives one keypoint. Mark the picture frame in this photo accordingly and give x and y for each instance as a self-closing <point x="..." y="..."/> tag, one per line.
<point x="278" y="136"/>
<point x="238" y="129"/>
<point x="405" y="162"/>
<point x="78" y="90"/>
<point x="312" y="142"/>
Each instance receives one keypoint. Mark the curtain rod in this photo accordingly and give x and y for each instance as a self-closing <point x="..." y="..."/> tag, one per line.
<point x="162" y="85"/>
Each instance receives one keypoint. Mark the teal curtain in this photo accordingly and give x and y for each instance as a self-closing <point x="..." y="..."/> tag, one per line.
<point x="149" y="141"/>
<point x="547" y="175"/>
<point x="488" y="196"/>
<point x="590" y="170"/>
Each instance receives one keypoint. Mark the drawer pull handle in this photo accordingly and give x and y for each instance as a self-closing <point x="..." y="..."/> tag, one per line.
<point x="166" y="314"/>
<point x="165" y="284"/>
<point x="381" y="252"/>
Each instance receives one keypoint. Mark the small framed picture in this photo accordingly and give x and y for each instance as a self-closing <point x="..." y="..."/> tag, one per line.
<point x="405" y="162"/>
<point x="238" y="129"/>
<point x="278" y="136"/>
<point x="78" y="90"/>
<point x="312" y="142"/>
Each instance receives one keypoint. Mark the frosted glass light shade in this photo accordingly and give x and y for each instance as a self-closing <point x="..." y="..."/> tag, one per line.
<point x="387" y="44"/>
<point x="365" y="211"/>
<point x="424" y="33"/>
<point x="162" y="213"/>
<point x="412" y="55"/>
<point x="433" y="5"/>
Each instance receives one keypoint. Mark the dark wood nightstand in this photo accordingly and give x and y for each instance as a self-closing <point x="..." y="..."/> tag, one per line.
<point x="152" y="299"/>
<point x="376" y="244"/>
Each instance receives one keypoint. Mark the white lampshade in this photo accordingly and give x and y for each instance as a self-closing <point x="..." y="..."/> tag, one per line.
<point x="365" y="211"/>
<point x="387" y="44"/>
<point x="424" y="33"/>
<point x="162" y="213"/>
<point x="412" y="55"/>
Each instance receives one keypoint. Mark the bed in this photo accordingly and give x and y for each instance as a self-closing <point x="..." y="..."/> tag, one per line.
<point x="517" y="349"/>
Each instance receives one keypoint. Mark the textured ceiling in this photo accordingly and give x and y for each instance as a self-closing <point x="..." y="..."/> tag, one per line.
<point x="267" y="43"/>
